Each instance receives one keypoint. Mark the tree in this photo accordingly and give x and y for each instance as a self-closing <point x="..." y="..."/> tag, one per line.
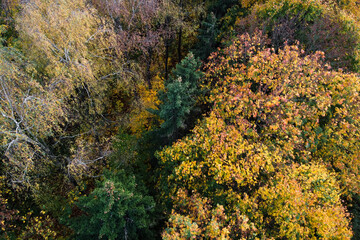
<point x="179" y="99"/>
<point x="254" y="133"/>
<point x="303" y="202"/>
<point x="220" y="8"/>
<point x="30" y="113"/>
<point x="139" y="28"/>
<point x="185" y="16"/>
<point x="195" y="217"/>
<point x="207" y="36"/>
<point x="116" y="209"/>
<point x="318" y="25"/>
<point x="70" y="47"/>
<point x="274" y="95"/>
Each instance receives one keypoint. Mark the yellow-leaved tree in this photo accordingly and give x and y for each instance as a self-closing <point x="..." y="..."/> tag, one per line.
<point x="64" y="92"/>
<point x="269" y="149"/>
<point x="70" y="46"/>
<point x="29" y="113"/>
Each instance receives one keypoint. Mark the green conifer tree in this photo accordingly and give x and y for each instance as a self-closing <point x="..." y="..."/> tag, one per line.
<point x="207" y="37"/>
<point x="116" y="209"/>
<point x="179" y="99"/>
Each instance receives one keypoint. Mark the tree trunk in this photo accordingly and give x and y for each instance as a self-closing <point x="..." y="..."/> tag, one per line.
<point x="166" y="58"/>
<point x="148" y="65"/>
<point x="179" y="44"/>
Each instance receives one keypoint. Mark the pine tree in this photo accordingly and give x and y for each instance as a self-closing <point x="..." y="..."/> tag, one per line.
<point x="116" y="209"/>
<point x="207" y="37"/>
<point x="179" y="99"/>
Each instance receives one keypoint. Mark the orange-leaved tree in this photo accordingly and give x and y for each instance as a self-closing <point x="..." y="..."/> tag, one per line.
<point x="272" y="112"/>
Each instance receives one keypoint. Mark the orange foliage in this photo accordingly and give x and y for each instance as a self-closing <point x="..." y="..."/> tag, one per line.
<point x="196" y="216"/>
<point x="290" y="102"/>
<point x="272" y="111"/>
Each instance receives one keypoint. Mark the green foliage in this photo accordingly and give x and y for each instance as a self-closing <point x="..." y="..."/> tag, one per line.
<point x="354" y="209"/>
<point x="274" y="156"/>
<point x="125" y="151"/>
<point x="179" y="99"/>
<point x="130" y="154"/>
<point x="116" y="209"/>
<point x="219" y="8"/>
<point x="207" y="37"/>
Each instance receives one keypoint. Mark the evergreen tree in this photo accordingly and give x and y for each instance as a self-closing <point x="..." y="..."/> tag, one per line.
<point x="116" y="209"/>
<point x="207" y="37"/>
<point x="179" y="100"/>
<point x="220" y="8"/>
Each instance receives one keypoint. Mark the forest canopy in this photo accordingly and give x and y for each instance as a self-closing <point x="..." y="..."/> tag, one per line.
<point x="175" y="119"/>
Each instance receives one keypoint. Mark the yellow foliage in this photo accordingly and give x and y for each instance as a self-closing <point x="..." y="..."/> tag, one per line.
<point x="75" y="63"/>
<point x="196" y="217"/>
<point x="140" y="119"/>
<point x="304" y="201"/>
<point x="38" y="227"/>
<point x="67" y="41"/>
<point x="272" y="111"/>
